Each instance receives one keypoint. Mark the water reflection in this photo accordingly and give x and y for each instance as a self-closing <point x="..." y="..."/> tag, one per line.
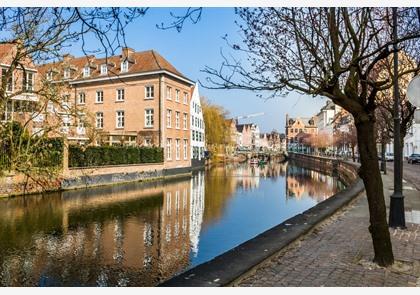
<point x="141" y="233"/>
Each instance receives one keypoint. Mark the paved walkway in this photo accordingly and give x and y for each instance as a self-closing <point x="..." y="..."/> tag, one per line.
<point x="339" y="251"/>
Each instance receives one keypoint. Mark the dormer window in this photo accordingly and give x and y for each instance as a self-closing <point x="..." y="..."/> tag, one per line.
<point x="49" y="76"/>
<point x="124" y="66"/>
<point x="66" y="73"/>
<point x="104" y="69"/>
<point x="86" y="71"/>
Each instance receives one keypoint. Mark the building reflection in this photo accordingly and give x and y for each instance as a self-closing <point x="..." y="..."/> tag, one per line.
<point x="302" y="182"/>
<point x="122" y="235"/>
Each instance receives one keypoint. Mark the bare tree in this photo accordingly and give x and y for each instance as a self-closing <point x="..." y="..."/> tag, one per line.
<point x="331" y="52"/>
<point x="30" y="37"/>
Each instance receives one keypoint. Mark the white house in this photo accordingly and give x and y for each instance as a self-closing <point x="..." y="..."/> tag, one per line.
<point x="197" y="129"/>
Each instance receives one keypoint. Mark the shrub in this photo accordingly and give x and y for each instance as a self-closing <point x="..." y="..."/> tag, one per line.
<point x="113" y="155"/>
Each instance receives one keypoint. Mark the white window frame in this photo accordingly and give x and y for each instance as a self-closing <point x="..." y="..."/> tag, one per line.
<point x="86" y="71"/>
<point x="177" y="149"/>
<point x="119" y="118"/>
<point x="185" y="121"/>
<point x="66" y="74"/>
<point x="29" y="87"/>
<point x="185" y="149"/>
<point x="104" y="69"/>
<point x="120" y="94"/>
<point x="80" y="100"/>
<point x="149" y="118"/>
<point x="149" y="91"/>
<point x="169" y="149"/>
<point x="177" y="120"/>
<point x="98" y="96"/>
<point x="124" y="66"/>
<point x="168" y="118"/>
<point x="186" y="98"/>
<point x="99" y="120"/>
<point x="169" y="92"/>
<point x="177" y="95"/>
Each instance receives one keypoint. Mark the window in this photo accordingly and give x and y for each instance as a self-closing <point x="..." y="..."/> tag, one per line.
<point x="28" y="82"/>
<point x="185" y="121"/>
<point x="99" y="120"/>
<point x="169" y="148"/>
<point x="82" y="98"/>
<point x="169" y="118"/>
<point x="185" y="98"/>
<point x="124" y="66"/>
<point x="104" y="69"/>
<point x="66" y="73"/>
<point x="120" y="119"/>
<point x="49" y="76"/>
<point x="9" y="85"/>
<point x="177" y="95"/>
<point x="168" y="92"/>
<point x="99" y="96"/>
<point x="178" y="148"/>
<point x="120" y="94"/>
<point x="86" y="71"/>
<point x="177" y="123"/>
<point x="149" y="92"/>
<point x="185" y="149"/>
<point x="192" y="120"/>
<point x="148" y="118"/>
<point x="148" y="141"/>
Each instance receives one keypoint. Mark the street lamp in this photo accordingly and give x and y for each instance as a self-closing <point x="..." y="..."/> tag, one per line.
<point x="396" y="207"/>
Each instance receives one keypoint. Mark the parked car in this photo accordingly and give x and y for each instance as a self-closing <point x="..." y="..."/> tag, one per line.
<point x="389" y="157"/>
<point x="414" y="158"/>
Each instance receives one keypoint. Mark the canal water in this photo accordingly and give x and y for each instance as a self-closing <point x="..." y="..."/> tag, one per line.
<point x="139" y="234"/>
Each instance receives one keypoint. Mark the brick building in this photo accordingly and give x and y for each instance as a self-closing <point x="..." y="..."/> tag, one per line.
<point x="294" y="126"/>
<point x="135" y="98"/>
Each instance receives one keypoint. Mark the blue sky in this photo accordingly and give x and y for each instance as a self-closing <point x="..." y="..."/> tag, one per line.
<point x="198" y="45"/>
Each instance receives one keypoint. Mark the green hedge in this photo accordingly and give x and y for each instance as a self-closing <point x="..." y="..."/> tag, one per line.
<point x="113" y="155"/>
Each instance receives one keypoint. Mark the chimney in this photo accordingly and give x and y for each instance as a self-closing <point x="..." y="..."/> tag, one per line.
<point x="127" y="52"/>
<point x="67" y="57"/>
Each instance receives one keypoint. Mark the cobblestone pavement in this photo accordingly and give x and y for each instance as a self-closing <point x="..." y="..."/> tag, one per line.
<point x="339" y="252"/>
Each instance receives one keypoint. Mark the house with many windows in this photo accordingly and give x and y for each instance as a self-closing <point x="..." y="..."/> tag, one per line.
<point x="18" y="83"/>
<point x="197" y="129"/>
<point x="134" y="98"/>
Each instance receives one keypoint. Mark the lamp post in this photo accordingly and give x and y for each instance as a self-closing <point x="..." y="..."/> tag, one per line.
<point x="396" y="207"/>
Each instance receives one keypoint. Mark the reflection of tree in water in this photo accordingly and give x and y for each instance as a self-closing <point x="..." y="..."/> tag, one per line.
<point x="318" y="186"/>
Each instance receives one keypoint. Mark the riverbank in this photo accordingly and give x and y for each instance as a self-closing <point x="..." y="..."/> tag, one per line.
<point x="237" y="262"/>
<point x="339" y="252"/>
<point x="80" y="178"/>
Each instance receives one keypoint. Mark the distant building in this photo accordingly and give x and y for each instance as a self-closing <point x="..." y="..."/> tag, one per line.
<point x="325" y="118"/>
<point x="249" y="136"/>
<point x="294" y="126"/>
<point x="197" y="129"/>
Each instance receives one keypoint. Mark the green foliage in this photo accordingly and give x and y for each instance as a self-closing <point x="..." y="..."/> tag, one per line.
<point x="113" y="155"/>
<point x="19" y="151"/>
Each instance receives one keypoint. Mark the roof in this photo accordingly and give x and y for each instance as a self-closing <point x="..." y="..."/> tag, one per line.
<point x="140" y="62"/>
<point x="5" y="49"/>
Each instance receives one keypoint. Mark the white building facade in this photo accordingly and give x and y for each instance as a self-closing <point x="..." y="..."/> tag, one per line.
<point x="197" y="129"/>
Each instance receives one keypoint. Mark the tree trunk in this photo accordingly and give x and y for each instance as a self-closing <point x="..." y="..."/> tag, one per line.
<point x="371" y="176"/>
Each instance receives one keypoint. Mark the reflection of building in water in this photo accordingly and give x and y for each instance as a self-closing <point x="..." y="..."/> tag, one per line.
<point x="301" y="181"/>
<point x="121" y="235"/>
<point x="196" y="209"/>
